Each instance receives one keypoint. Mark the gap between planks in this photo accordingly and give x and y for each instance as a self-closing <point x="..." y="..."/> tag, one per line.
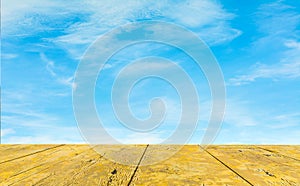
<point x="232" y="170"/>
<point x="275" y="152"/>
<point x="136" y="168"/>
<point x="30" y="154"/>
<point x="48" y="167"/>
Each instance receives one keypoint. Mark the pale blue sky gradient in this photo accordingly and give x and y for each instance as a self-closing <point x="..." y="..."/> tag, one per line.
<point x="257" y="45"/>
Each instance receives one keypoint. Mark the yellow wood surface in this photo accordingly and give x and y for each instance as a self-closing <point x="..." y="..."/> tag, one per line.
<point x="149" y="165"/>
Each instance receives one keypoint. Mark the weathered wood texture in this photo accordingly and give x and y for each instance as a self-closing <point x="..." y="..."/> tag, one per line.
<point x="191" y="165"/>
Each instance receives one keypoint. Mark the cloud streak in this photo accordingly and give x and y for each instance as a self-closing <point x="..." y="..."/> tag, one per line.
<point x="277" y="24"/>
<point x="206" y="18"/>
<point x="7" y="131"/>
<point x="287" y="68"/>
<point x="50" y="67"/>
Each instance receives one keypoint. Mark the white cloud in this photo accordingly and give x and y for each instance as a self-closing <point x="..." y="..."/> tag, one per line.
<point x="49" y="64"/>
<point x="278" y="25"/>
<point x="24" y="123"/>
<point x="24" y="19"/>
<point x="28" y="121"/>
<point x="206" y="18"/>
<point x="8" y="55"/>
<point x="220" y="32"/>
<point x="293" y="45"/>
<point x="192" y="14"/>
<point x="277" y="18"/>
<point x="238" y="114"/>
<point x="6" y="132"/>
<point x="146" y="66"/>
<point x="197" y="13"/>
<point x="19" y="110"/>
<point x="67" y="137"/>
<point x="50" y="67"/>
<point x="285" y="121"/>
<point x="68" y="81"/>
<point x="142" y="138"/>
<point x="287" y="68"/>
<point x="29" y="125"/>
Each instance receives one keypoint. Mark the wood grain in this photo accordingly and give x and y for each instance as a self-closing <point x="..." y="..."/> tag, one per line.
<point x="149" y="165"/>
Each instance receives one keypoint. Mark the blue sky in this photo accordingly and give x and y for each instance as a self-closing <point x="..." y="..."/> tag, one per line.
<point x="257" y="45"/>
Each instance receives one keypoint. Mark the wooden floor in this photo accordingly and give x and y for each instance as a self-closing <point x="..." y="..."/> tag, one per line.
<point x="192" y="165"/>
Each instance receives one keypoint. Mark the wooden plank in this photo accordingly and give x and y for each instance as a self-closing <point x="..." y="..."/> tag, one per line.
<point x="9" y="152"/>
<point x="122" y="154"/>
<point x="289" y="151"/>
<point x="115" y="168"/>
<point x="62" y="171"/>
<point x="190" y="166"/>
<point x="133" y="165"/>
<point x="7" y="146"/>
<point x="257" y="166"/>
<point x="69" y="167"/>
<point x="18" y="169"/>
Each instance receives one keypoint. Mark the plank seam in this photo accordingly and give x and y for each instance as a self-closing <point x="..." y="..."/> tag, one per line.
<point x="136" y="168"/>
<point x="275" y="152"/>
<point x="39" y="181"/>
<point x="18" y="181"/>
<point x="24" y="171"/>
<point x="51" y="165"/>
<point x="30" y="154"/>
<point x="227" y="166"/>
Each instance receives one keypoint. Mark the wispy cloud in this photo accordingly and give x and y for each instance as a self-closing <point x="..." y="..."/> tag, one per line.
<point x="277" y="24"/>
<point x="191" y="14"/>
<point x="206" y="18"/>
<point x="23" y="115"/>
<point x="54" y="135"/>
<point x="51" y="68"/>
<point x="277" y="18"/>
<point x="8" y="55"/>
<point x="49" y="64"/>
<point x="143" y="138"/>
<point x="22" y="122"/>
<point x="7" y="131"/>
<point x="284" y="121"/>
<point x="237" y="114"/>
<point x="287" y="68"/>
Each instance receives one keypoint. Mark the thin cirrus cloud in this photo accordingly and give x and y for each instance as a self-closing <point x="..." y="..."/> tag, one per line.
<point x="80" y="28"/>
<point x="53" y="135"/>
<point x="277" y="26"/>
<point x="287" y="68"/>
<point x="5" y="132"/>
<point x="51" y="68"/>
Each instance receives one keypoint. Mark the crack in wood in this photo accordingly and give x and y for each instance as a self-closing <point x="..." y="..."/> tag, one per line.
<point x="43" y="169"/>
<point x="59" y="162"/>
<point x="235" y="172"/>
<point x="18" y="181"/>
<point x="30" y="154"/>
<point x="278" y="153"/>
<point x="26" y="170"/>
<point x="68" y="160"/>
<point x="41" y="180"/>
<point x="48" y="167"/>
<point x="136" y="168"/>
<point x="264" y="156"/>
